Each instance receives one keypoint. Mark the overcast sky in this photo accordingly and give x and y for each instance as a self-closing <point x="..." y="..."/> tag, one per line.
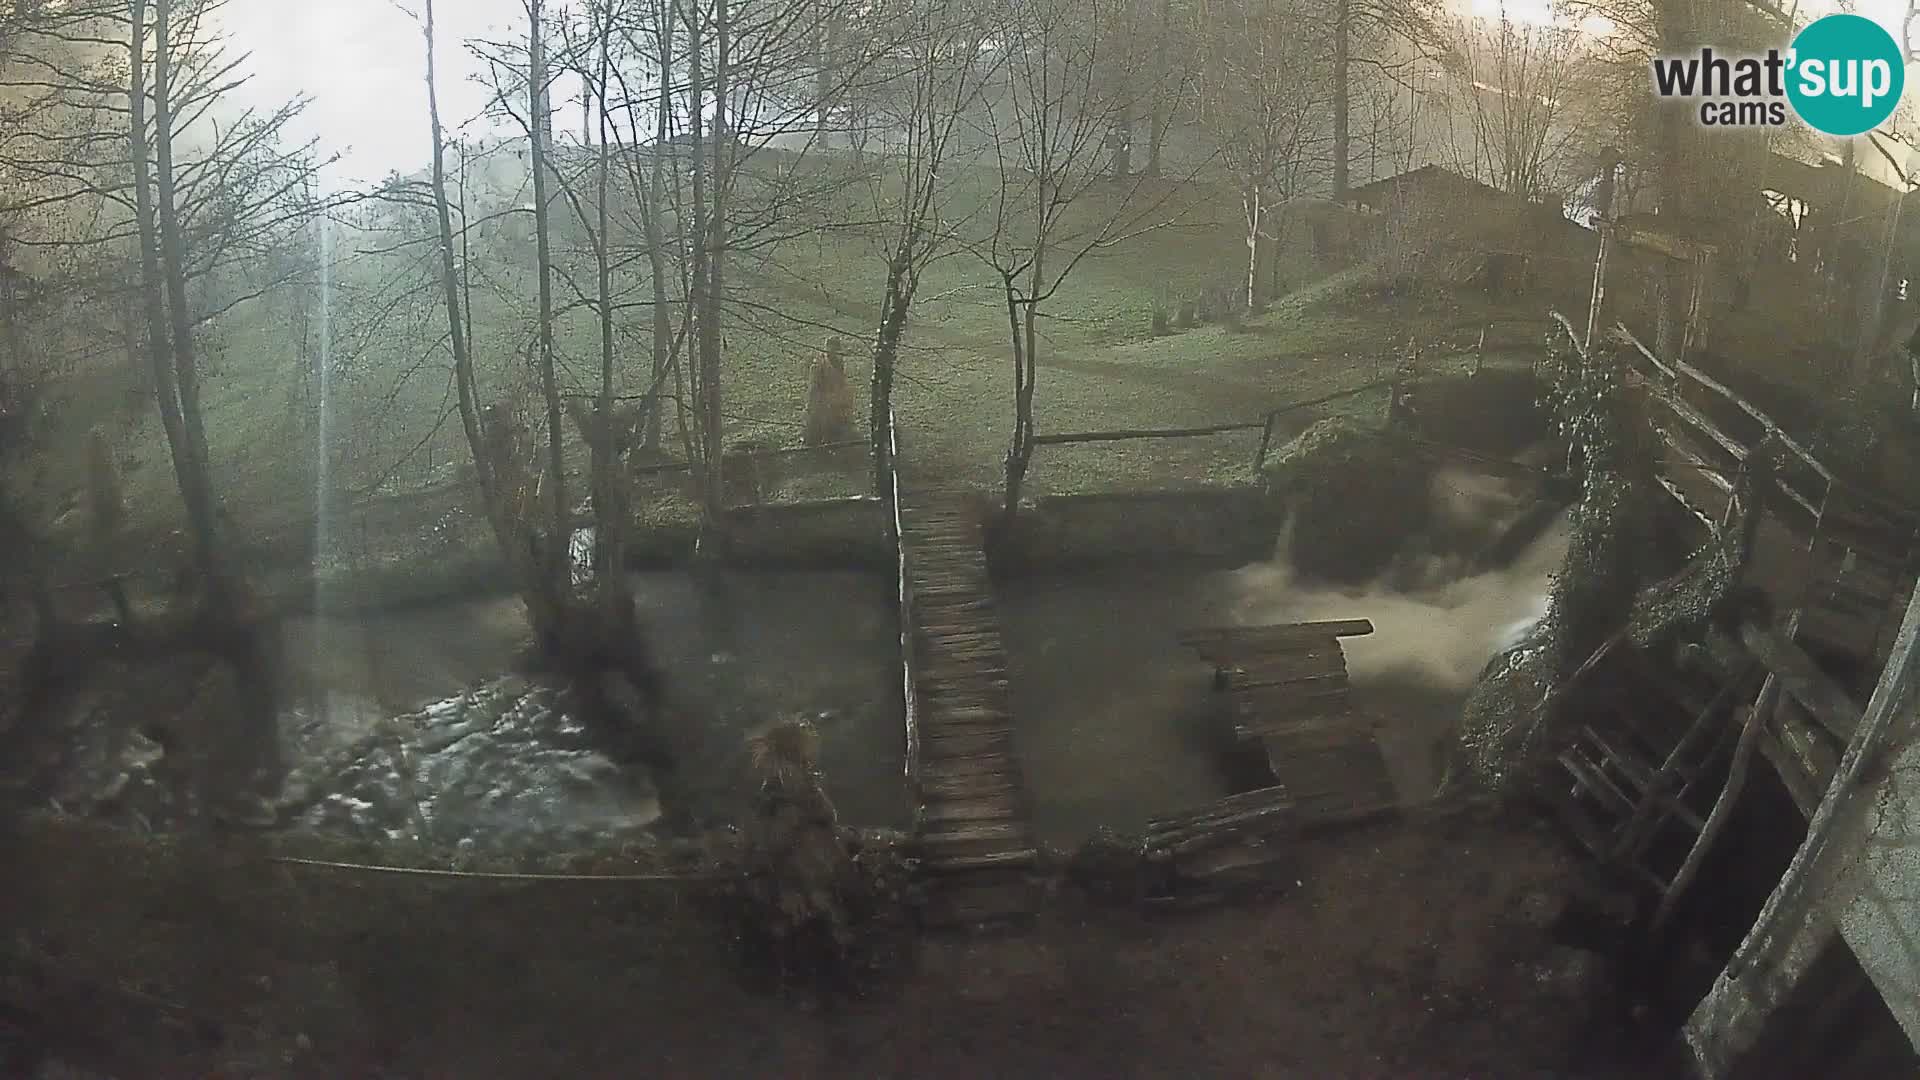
<point x="361" y="61"/>
<point x="363" y="64"/>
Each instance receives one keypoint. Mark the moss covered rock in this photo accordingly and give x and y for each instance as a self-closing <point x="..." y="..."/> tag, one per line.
<point x="1516" y="717"/>
<point x="1504" y="721"/>
<point x="1351" y="496"/>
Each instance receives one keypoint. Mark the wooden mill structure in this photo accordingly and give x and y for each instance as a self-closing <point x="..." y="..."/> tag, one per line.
<point x="1815" y="688"/>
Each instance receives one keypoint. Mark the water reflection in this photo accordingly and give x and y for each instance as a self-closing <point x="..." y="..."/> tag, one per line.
<point x="412" y="723"/>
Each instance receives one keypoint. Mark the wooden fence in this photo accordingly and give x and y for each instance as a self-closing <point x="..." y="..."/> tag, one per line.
<point x="1264" y="425"/>
<point x="910" y="694"/>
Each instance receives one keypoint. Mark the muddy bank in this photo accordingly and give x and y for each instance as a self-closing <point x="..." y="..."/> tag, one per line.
<point x="1415" y="949"/>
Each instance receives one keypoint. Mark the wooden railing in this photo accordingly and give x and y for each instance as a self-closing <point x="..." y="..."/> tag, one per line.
<point x="1725" y="424"/>
<point x="1264" y="425"/>
<point x="910" y="694"/>
<point x="1733" y="424"/>
<point x="1532" y="326"/>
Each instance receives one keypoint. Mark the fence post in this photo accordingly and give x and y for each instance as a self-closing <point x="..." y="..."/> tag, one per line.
<point x="1599" y="294"/>
<point x="1266" y="440"/>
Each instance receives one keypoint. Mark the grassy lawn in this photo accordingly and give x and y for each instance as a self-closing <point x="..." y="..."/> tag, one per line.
<point x="390" y="408"/>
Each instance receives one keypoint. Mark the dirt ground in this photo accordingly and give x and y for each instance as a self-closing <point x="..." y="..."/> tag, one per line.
<point x="1416" y="948"/>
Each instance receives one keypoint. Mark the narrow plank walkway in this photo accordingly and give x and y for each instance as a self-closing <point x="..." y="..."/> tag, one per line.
<point x="971" y="818"/>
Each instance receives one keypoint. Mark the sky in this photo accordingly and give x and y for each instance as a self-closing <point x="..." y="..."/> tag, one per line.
<point x="362" y="62"/>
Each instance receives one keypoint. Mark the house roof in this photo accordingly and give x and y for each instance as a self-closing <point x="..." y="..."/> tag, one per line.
<point x="1433" y="175"/>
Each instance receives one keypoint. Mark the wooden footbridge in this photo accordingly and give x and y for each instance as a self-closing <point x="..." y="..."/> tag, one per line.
<point x="971" y="820"/>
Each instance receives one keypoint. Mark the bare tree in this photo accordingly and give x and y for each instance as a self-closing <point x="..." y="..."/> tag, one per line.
<point x="941" y="88"/>
<point x="1048" y="121"/>
<point x="701" y="302"/>
<point x="609" y="489"/>
<point x="459" y="337"/>
<point x="1386" y="39"/>
<point x="199" y="492"/>
<point x="653" y="203"/>
<point x="1267" y="118"/>
<point x="239" y="197"/>
<point x="96" y="179"/>
<point x="539" y="133"/>
<point x="1514" y="95"/>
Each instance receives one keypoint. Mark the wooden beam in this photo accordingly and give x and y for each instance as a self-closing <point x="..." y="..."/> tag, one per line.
<point x="1337" y="628"/>
<point x="1698" y="737"/>
<point x="1802" y="679"/>
<point x="1794" y="772"/>
<point x="1681" y="367"/>
<point x="1598" y="295"/>
<point x="1722" y="812"/>
<point x="1144" y="433"/>
<point x="1776" y="950"/>
<point x="1669" y="244"/>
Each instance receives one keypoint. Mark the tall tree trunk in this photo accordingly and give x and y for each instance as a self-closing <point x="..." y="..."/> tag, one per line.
<point x="823" y="45"/>
<point x="656" y="198"/>
<point x="710" y="344"/>
<point x="152" y="289"/>
<point x="1017" y="448"/>
<point x="466" y="251"/>
<point x="1673" y="130"/>
<point x="1162" y="99"/>
<point x="457" y="327"/>
<point x="1254" y="203"/>
<point x="1024" y="317"/>
<point x="700" y="302"/>
<point x="609" y="501"/>
<point x="201" y="515"/>
<point x="1342" y="97"/>
<point x="886" y="354"/>
<point x="554" y="556"/>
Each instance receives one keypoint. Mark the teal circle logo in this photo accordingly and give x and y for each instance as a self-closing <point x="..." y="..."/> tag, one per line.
<point x="1845" y="74"/>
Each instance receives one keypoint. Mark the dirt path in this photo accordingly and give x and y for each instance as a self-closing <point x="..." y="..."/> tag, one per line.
<point x="1412" y="949"/>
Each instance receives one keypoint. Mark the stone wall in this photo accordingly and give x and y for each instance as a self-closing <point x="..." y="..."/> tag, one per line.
<point x="837" y="534"/>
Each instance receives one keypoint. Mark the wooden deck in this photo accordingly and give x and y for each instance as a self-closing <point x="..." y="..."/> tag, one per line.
<point x="971" y="819"/>
<point x="1290" y="700"/>
<point x="1290" y="695"/>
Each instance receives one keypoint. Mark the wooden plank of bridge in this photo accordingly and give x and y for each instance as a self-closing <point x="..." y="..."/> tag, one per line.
<point x="1290" y="692"/>
<point x="971" y="819"/>
<point x="1288" y="685"/>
